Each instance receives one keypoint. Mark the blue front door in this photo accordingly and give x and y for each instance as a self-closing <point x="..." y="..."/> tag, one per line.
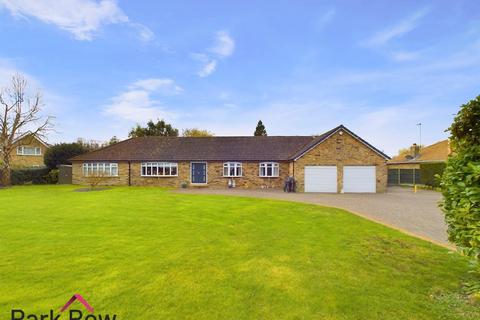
<point x="199" y="172"/>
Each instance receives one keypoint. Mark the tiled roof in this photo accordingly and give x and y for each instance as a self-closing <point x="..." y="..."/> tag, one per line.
<point x="274" y="148"/>
<point x="269" y="148"/>
<point x="436" y="152"/>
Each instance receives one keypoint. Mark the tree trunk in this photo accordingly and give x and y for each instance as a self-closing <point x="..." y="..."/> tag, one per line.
<point x="5" y="171"/>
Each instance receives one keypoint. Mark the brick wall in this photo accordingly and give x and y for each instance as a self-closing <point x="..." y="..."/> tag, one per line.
<point x="250" y="179"/>
<point x="121" y="180"/>
<point x="215" y="179"/>
<point x="21" y="161"/>
<point x="341" y="150"/>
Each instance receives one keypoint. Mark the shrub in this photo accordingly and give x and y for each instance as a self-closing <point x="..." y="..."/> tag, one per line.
<point x="52" y="177"/>
<point x="60" y="153"/>
<point x="429" y="173"/>
<point x="461" y="199"/>
<point x="461" y="182"/>
<point x="29" y="176"/>
<point x="95" y="179"/>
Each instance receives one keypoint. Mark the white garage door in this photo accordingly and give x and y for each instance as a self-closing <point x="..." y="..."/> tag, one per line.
<point x="320" y="179"/>
<point x="359" y="179"/>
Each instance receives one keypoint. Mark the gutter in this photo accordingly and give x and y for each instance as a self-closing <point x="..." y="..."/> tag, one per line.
<point x="417" y="162"/>
<point x="129" y="174"/>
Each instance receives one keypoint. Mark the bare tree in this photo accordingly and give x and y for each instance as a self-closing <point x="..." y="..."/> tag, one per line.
<point x="19" y="113"/>
<point x="95" y="179"/>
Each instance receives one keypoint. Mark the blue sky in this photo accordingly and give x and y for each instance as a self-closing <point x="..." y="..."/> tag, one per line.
<point x="303" y="67"/>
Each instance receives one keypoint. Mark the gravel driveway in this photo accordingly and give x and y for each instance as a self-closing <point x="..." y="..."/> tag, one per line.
<point x="414" y="213"/>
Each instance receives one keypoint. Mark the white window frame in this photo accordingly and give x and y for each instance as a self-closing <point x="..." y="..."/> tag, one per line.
<point x="21" y="151"/>
<point x="237" y="169"/>
<point x="265" y="165"/>
<point x="108" y="169"/>
<point x="157" y="166"/>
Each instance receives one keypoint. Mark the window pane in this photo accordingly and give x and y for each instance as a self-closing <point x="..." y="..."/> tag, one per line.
<point x="225" y="171"/>
<point x="174" y="170"/>
<point x="154" y="170"/>
<point x="161" y="170"/>
<point x="269" y="171"/>
<point x="232" y="171"/>
<point x="167" y="169"/>
<point x="275" y="170"/>
<point x="30" y="151"/>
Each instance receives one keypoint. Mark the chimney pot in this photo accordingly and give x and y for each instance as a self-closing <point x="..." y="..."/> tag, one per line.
<point x="415" y="150"/>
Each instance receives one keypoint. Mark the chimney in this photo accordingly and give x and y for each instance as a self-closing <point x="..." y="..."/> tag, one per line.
<point x="415" y="150"/>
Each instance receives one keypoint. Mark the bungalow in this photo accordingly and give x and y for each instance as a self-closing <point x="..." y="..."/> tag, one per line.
<point x="407" y="168"/>
<point x="336" y="161"/>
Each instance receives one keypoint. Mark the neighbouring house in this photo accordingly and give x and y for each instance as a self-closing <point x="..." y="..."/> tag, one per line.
<point x="29" y="151"/>
<point x="427" y="161"/>
<point x="336" y="161"/>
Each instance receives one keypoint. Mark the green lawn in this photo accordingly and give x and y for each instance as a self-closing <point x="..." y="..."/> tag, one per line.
<point x="147" y="253"/>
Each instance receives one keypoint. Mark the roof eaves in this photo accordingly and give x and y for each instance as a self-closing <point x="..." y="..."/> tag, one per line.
<point x="34" y="136"/>
<point x="79" y="157"/>
<point x="415" y="161"/>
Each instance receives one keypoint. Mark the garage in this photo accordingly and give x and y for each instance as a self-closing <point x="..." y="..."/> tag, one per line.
<point x="321" y="179"/>
<point x="359" y="179"/>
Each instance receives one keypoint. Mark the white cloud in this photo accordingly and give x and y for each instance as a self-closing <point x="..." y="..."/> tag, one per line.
<point x="224" y="44"/>
<point x="404" y="56"/>
<point x="145" y="33"/>
<point x="208" y="69"/>
<point x="223" y="47"/>
<point x="82" y="18"/>
<point x="208" y="65"/>
<point x="165" y="86"/>
<point x="138" y="104"/>
<point x="398" y="30"/>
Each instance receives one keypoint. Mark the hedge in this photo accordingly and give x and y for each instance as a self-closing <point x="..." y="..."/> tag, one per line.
<point x="33" y="176"/>
<point x="428" y="172"/>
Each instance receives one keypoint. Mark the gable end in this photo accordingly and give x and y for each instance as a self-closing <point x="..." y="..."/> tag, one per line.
<point x="332" y="133"/>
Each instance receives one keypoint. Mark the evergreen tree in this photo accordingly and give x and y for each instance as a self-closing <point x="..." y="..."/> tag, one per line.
<point x="260" y="129"/>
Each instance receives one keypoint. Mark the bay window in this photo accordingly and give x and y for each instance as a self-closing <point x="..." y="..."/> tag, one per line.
<point x="269" y="169"/>
<point x="232" y="169"/>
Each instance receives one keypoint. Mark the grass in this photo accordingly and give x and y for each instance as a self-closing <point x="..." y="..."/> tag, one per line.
<point x="147" y="253"/>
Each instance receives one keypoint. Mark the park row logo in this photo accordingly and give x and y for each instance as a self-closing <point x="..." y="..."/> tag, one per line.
<point x="18" y="314"/>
